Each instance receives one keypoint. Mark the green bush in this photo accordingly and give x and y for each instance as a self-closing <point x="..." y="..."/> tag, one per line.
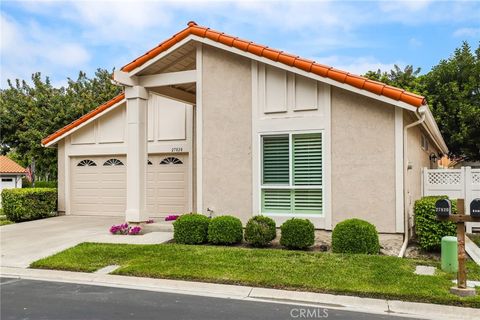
<point x="45" y="184"/>
<point x="225" y="230"/>
<point x="29" y="204"/>
<point x="355" y="236"/>
<point x="428" y="229"/>
<point x="259" y="231"/>
<point x="297" y="234"/>
<point x="191" y="229"/>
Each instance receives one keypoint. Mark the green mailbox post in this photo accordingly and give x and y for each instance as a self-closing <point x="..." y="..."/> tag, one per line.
<point x="449" y="254"/>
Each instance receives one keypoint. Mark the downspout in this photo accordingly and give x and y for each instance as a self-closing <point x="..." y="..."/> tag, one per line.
<point x="421" y="112"/>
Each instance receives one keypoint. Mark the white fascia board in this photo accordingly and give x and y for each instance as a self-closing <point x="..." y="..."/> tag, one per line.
<point x="84" y="124"/>
<point x="124" y="78"/>
<point x="167" y="79"/>
<point x="272" y="63"/>
<point x="436" y="131"/>
<point x="160" y="56"/>
<point x="430" y="126"/>
<point x="304" y="73"/>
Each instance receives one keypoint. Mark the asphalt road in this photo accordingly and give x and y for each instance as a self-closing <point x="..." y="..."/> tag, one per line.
<point x="29" y="299"/>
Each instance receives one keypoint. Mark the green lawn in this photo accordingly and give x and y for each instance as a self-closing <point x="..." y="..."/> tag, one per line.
<point x="370" y="276"/>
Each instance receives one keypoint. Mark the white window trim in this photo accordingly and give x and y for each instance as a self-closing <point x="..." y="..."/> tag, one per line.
<point x="290" y="186"/>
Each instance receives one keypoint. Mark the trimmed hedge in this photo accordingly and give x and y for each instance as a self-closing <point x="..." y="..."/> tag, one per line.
<point x="297" y="233"/>
<point x="29" y="204"/>
<point x="428" y="229"/>
<point x="45" y="184"/>
<point x="225" y="230"/>
<point x="191" y="228"/>
<point x="355" y="236"/>
<point x="260" y="231"/>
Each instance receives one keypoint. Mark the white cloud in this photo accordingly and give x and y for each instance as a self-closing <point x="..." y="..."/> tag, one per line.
<point x="404" y="5"/>
<point x="414" y="42"/>
<point x="28" y="48"/>
<point x="77" y="32"/>
<point x="467" y="32"/>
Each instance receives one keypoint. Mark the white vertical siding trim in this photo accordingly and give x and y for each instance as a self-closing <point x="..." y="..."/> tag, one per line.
<point x="327" y="159"/>
<point x="199" y="128"/>
<point x="255" y="142"/>
<point x="399" y="183"/>
<point x="67" y="168"/>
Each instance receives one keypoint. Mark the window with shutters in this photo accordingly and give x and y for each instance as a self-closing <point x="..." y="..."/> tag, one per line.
<point x="292" y="174"/>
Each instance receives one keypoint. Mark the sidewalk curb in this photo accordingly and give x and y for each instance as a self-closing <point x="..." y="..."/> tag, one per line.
<point x="329" y="301"/>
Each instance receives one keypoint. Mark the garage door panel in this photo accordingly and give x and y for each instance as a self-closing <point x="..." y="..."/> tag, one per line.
<point x="101" y="190"/>
<point x="179" y="192"/>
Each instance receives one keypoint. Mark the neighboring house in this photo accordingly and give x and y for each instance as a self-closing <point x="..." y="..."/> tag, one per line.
<point x="211" y="123"/>
<point x="11" y="174"/>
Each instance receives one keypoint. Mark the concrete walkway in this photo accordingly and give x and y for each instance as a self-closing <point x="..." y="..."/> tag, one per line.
<point x="367" y="305"/>
<point x="26" y="242"/>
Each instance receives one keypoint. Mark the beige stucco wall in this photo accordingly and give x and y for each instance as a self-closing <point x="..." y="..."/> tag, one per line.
<point x="418" y="158"/>
<point x="61" y="176"/>
<point x="363" y="160"/>
<point x="227" y="133"/>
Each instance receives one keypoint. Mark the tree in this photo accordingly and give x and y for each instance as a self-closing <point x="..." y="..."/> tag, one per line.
<point x="452" y="89"/>
<point x="31" y="112"/>
<point x="453" y="93"/>
<point x="406" y="79"/>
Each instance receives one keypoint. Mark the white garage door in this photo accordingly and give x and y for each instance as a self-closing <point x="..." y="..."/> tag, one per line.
<point x="167" y="185"/>
<point x="99" y="185"/>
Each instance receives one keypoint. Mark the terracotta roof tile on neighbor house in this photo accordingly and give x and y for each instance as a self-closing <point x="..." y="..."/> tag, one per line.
<point x="9" y="166"/>
<point x="84" y="118"/>
<point x="282" y="57"/>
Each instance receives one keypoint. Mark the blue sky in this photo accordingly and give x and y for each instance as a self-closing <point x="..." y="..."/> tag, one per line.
<point x="59" y="38"/>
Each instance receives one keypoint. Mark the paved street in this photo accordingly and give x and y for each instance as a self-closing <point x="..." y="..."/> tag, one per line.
<point x="29" y="299"/>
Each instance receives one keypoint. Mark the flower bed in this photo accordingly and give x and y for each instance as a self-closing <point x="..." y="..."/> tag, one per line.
<point x="125" y="229"/>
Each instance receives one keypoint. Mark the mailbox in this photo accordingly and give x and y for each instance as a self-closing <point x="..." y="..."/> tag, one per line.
<point x="443" y="208"/>
<point x="475" y="208"/>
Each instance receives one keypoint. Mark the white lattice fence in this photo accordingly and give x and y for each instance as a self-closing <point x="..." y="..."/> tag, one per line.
<point x="454" y="183"/>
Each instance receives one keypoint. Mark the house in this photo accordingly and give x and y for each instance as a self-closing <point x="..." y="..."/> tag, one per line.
<point x="214" y="124"/>
<point x="11" y="174"/>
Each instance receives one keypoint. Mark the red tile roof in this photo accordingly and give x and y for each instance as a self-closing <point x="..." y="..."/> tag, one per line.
<point x="84" y="118"/>
<point x="282" y="57"/>
<point x="9" y="166"/>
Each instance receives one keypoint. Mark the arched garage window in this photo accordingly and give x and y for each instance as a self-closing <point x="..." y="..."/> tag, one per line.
<point x="113" y="162"/>
<point x="149" y="162"/>
<point x="86" y="163"/>
<point x="171" y="160"/>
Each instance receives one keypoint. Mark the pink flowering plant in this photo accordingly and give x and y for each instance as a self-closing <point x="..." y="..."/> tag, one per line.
<point x="125" y="229"/>
<point x="171" y="217"/>
<point x="134" y="231"/>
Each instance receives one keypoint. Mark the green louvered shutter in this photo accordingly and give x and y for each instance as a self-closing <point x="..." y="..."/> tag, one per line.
<point x="308" y="201"/>
<point x="307" y="171"/>
<point x="276" y="200"/>
<point x="307" y="159"/>
<point x="275" y="160"/>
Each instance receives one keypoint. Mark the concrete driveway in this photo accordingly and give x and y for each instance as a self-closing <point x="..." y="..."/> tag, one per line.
<point x="26" y="242"/>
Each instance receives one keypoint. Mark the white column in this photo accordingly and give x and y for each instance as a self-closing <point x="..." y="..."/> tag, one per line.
<point x="136" y="153"/>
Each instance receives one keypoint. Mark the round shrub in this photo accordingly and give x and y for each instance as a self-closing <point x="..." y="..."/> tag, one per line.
<point x="259" y="231"/>
<point x="355" y="236"/>
<point x="297" y="233"/>
<point x="225" y="230"/>
<point x="191" y="229"/>
<point x="29" y="204"/>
